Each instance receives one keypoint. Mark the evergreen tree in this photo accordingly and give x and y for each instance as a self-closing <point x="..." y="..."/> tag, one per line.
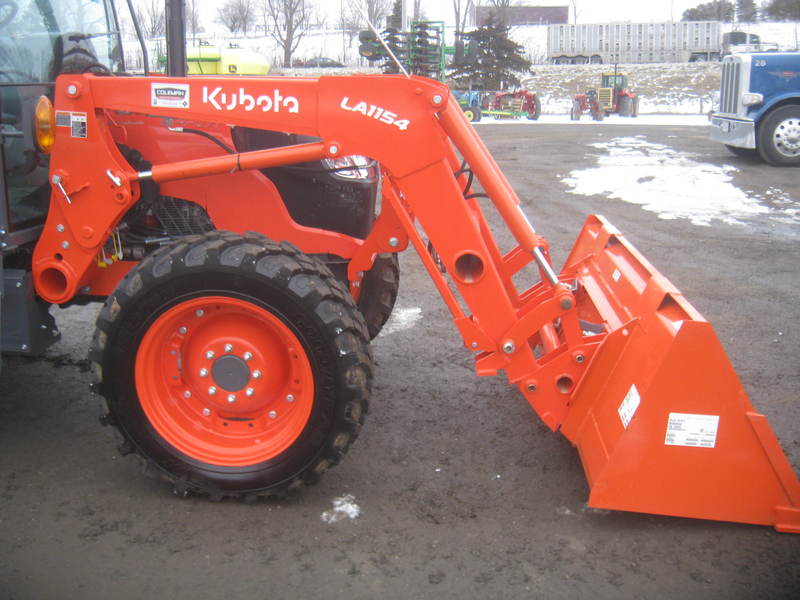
<point x="782" y="10"/>
<point x="717" y="10"/>
<point x="493" y="59"/>
<point x="746" y="11"/>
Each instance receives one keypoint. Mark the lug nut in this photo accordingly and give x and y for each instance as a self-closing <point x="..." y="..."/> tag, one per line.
<point x="579" y="358"/>
<point x="228" y="347"/>
<point x="247" y="355"/>
<point x="273" y="414"/>
<point x="206" y="412"/>
<point x="203" y="372"/>
<point x="231" y="398"/>
<point x="210" y="354"/>
<point x="249" y="392"/>
<point x="509" y="347"/>
<point x="199" y="312"/>
<point x="394" y="242"/>
<point x="289" y="398"/>
<point x="256" y="374"/>
<point x="187" y="394"/>
<point x="182" y="330"/>
<point x="212" y="390"/>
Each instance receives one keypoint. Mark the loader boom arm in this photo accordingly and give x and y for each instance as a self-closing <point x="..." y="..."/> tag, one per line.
<point x="591" y="348"/>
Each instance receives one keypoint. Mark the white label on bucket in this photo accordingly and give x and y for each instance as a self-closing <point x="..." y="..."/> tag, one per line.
<point x="629" y="405"/>
<point x="698" y="431"/>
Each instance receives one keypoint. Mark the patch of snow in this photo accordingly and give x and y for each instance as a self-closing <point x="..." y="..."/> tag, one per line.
<point x="402" y="318"/>
<point x="343" y="508"/>
<point x="662" y="180"/>
<point x="611" y="120"/>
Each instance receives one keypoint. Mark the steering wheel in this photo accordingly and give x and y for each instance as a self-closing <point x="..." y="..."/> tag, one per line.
<point x="8" y="10"/>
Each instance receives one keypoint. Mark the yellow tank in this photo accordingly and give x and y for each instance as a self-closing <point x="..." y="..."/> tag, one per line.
<point x="213" y="60"/>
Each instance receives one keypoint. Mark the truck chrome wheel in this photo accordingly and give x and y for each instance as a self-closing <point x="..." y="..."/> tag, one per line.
<point x="786" y="137"/>
<point x="778" y="137"/>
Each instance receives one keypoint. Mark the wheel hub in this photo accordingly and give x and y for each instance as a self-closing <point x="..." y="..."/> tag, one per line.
<point x="787" y="137"/>
<point x="230" y="372"/>
<point x="224" y="381"/>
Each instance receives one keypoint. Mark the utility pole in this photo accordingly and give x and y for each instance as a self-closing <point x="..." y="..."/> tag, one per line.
<point x="404" y="15"/>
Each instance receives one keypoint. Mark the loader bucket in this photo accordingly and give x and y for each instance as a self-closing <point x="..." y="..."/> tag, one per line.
<point x="660" y="419"/>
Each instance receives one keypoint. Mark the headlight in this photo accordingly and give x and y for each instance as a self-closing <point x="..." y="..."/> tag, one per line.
<point x="350" y="167"/>
<point x="751" y="98"/>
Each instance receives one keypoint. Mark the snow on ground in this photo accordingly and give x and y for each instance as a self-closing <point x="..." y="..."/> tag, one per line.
<point x="611" y="120"/>
<point x="344" y="507"/>
<point x="673" y="184"/>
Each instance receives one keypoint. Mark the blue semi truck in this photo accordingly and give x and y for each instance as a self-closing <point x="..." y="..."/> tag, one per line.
<point x="759" y="107"/>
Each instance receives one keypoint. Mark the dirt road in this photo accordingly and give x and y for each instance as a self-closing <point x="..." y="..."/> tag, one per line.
<point x="454" y="489"/>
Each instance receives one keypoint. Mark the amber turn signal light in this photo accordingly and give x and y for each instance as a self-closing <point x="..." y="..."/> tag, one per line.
<point x="44" y="124"/>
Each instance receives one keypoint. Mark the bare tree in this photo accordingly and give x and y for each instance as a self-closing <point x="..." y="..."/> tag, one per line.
<point x="150" y="15"/>
<point x="575" y="11"/>
<point x="501" y="9"/>
<point x="193" y="25"/>
<point x="287" y="22"/>
<point x="419" y="15"/>
<point x="237" y="15"/>
<point x="375" y="10"/>
<point x="462" y="10"/>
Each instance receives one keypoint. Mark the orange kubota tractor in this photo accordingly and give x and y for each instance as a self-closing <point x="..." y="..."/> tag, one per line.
<point x="235" y="362"/>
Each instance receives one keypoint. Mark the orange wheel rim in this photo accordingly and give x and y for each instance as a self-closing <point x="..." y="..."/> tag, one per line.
<point x="224" y="381"/>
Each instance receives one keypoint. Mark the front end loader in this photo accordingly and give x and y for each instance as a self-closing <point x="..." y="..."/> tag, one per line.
<point x="235" y="363"/>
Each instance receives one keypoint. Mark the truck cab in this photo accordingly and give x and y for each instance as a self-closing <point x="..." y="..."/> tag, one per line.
<point x="759" y="106"/>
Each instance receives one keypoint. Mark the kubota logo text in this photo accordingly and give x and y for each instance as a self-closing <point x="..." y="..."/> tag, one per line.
<point x="229" y="101"/>
<point x="375" y="112"/>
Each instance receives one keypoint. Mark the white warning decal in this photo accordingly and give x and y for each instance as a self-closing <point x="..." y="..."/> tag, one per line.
<point x="169" y="95"/>
<point x="629" y="406"/>
<point x="698" y="431"/>
<point x="76" y="121"/>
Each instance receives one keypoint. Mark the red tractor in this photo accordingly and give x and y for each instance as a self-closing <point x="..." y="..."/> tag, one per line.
<point x="613" y="96"/>
<point x="512" y="105"/>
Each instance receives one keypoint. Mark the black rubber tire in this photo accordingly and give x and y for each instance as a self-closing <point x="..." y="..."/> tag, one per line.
<point x="537" y="109"/>
<point x="575" y="112"/>
<point x="297" y="289"/>
<point x="743" y="152"/>
<point x="767" y="130"/>
<point x="379" y="292"/>
<point x="473" y="113"/>
<point x="625" y="107"/>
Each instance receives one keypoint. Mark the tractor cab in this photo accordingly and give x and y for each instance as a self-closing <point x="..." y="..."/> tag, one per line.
<point x="614" y="80"/>
<point x="39" y="40"/>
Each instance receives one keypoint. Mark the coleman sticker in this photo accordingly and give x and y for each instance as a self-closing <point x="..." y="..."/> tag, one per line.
<point x="76" y="121"/>
<point x="698" y="431"/>
<point x="629" y="406"/>
<point x="169" y="95"/>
